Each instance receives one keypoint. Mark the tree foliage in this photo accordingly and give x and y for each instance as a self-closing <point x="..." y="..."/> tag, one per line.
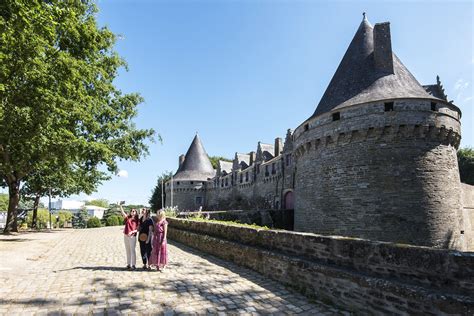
<point x="98" y="202"/>
<point x="215" y="160"/>
<point x="64" y="217"/>
<point x="93" y="222"/>
<point x="42" y="220"/>
<point x="59" y="107"/>
<point x="79" y="220"/>
<point x="466" y="165"/>
<point x="155" y="199"/>
<point x="113" y="220"/>
<point x="3" y="202"/>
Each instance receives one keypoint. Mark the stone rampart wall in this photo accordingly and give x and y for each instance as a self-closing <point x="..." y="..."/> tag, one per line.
<point x="381" y="175"/>
<point x="365" y="276"/>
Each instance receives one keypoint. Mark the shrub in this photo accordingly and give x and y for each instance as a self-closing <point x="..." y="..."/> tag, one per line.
<point x="93" y="222"/>
<point x="113" y="221"/>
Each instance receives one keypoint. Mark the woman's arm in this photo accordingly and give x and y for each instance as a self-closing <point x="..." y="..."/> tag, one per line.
<point x="150" y="232"/>
<point x="165" y="233"/>
<point x="121" y="210"/>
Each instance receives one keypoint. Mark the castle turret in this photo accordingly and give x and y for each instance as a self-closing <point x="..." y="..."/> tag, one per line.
<point x="188" y="182"/>
<point x="377" y="159"/>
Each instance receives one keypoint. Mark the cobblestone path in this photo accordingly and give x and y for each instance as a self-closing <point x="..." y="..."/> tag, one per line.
<point x="82" y="272"/>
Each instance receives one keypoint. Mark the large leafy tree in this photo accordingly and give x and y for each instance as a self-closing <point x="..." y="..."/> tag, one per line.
<point x="155" y="199"/>
<point x="58" y="102"/>
<point x="466" y="165"/>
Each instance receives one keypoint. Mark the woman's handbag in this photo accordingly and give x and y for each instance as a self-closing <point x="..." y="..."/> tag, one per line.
<point x="143" y="237"/>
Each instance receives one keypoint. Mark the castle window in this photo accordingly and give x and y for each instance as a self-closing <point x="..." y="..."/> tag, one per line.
<point x="336" y="116"/>
<point x="247" y="176"/>
<point x="192" y="182"/>
<point x="306" y="127"/>
<point x="198" y="200"/>
<point x="241" y="178"/>
<point x="388" y="106"/>
<point x="433" y="106"/>
<point x="267" y="173"/>
<point x="273" y="168"/>
<point x="177" y="183"/>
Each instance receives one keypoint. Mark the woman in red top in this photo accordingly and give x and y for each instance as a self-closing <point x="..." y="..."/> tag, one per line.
<point x="130" y="236"/>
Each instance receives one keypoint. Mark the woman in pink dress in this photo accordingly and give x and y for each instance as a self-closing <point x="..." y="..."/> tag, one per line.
<point x="159" y="254"/>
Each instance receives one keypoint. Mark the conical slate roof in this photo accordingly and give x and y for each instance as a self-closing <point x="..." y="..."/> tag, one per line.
<point x="358" y="79"/>
<point x="196" y="165"/>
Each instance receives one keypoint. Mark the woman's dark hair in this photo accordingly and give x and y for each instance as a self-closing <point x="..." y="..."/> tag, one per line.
<point x="135" y="217"/>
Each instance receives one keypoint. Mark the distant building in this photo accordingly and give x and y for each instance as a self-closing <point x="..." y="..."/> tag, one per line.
<point x="76" y="206"/>
<point x="70" y="205"/>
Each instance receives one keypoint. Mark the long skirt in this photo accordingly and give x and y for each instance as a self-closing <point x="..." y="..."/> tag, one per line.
<point x="159" y="255"/>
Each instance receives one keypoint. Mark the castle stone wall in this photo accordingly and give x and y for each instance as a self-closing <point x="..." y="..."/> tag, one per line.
<point x="468" y="214"/>
<point x="389" y="176"/>
<point x="185" y="194"/>
<point x="261" y="190"/>
<point x="364" y="276"/>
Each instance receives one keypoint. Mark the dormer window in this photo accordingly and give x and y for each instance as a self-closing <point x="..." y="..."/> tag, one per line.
<point x="388" y="106"/>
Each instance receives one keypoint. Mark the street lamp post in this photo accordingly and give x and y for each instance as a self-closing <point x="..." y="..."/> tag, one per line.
<point x="171" y="191"/>
<point x="49" y="208"/>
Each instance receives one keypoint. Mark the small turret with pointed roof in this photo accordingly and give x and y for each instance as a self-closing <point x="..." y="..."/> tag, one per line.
<point x="196" y="164"/>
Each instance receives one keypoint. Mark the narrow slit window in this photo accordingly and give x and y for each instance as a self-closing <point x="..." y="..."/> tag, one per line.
<point x="336" y="116"/>
<point x="388" y="106"/>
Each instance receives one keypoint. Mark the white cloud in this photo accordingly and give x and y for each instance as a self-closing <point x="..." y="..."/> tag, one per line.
<point x="461" y="85"/>
<point x="122" y="174"/>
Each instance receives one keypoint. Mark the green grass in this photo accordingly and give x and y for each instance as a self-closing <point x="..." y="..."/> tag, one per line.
<point x="230" y="223"/>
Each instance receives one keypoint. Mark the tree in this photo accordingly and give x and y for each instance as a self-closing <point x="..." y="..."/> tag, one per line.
<point x="466" y="165"/>
<point x="155" y="199"/>
<point x="58" y="104"/>
<point x="79" y="220"/>
<point x="215" y="160"/>
<point x="99" y="202"/>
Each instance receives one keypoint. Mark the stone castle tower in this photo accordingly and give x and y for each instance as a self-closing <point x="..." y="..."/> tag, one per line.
<point x="377" y="159"/>
<point x="189" y="181"/>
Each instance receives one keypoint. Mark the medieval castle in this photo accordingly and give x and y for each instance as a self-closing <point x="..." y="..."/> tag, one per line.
<point x="376" y="160"/>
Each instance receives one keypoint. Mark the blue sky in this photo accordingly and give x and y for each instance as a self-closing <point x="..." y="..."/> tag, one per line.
<point x="239" y="72"/>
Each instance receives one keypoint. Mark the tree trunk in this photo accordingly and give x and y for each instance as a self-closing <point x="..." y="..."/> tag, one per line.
<point x="14" y="198"/>
<point x="35" y="211"/>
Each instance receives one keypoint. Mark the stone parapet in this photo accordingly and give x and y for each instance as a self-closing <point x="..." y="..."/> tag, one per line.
<point x="365" y="276"/>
